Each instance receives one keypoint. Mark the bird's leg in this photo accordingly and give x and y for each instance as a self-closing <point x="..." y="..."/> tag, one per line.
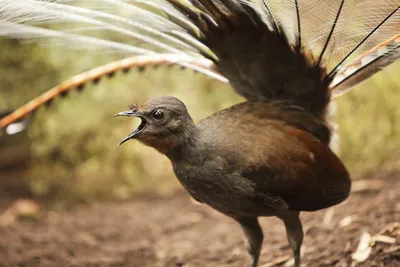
<point x="294" y="232"/>
<point x="254" y="237"/>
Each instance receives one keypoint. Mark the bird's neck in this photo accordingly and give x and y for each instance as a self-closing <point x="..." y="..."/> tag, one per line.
<point x="190" y="150"/>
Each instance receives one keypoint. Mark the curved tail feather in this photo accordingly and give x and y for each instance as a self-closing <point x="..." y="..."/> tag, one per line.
<point x="94" y="75"/>
<point x="300" y="51"/>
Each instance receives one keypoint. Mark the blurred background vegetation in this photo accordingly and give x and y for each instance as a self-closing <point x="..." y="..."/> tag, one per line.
<point x="73" y="142"/>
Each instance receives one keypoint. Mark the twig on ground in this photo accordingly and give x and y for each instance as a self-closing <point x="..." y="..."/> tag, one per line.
<point x="361" y="186"/>
<point x="277" y="261"/>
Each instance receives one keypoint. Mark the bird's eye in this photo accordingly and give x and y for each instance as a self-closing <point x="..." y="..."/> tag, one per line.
<point x="158" y="114"/>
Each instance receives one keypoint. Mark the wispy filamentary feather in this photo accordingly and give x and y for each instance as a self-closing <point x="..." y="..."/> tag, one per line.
<point x="333" y="44"/>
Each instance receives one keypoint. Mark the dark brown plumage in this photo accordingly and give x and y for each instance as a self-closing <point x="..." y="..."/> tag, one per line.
<point x="258" y="158"/>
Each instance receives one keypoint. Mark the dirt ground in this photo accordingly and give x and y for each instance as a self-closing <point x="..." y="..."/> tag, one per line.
<point x="174" y="231"/>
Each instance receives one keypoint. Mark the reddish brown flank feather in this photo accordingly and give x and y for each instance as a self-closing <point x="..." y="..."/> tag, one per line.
<point x="283" y="150"/>
<point x="321" y="178"/>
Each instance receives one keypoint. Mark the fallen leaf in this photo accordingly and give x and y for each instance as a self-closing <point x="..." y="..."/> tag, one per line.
<point x="383" y="239"/>
<point x="21" y="209"/>
<point x="348" y="220"/>
<point x="364" y="249"/>
<point x="392" y="227"/>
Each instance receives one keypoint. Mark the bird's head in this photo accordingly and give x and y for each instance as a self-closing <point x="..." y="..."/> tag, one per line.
<point x="165" y="124"/>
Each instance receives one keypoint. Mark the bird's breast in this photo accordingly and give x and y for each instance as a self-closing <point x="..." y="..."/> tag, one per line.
<point x="214" y="183"/>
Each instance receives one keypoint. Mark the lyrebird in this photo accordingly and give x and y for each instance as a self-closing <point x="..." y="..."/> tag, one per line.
<point x="268" y="156"/>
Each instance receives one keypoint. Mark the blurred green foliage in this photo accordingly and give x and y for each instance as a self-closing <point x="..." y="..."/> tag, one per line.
<point x="25" y="73"/>
<point x="74" y="141"/>
<point x="369" y="123"/>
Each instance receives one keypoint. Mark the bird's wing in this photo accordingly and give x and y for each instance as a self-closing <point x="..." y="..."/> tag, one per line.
<point x="282" y="150"/>
<point x="304" y="173"/>
<point x="282" y="50"/>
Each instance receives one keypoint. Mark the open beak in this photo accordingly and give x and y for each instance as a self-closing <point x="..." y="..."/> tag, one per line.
<point x="132" y="113"/>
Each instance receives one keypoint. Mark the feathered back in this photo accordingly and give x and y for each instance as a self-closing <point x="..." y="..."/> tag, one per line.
<point x="293" y="50"/>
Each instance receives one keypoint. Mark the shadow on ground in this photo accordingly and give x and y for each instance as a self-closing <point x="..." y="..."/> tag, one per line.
<point x="174" y="231"/>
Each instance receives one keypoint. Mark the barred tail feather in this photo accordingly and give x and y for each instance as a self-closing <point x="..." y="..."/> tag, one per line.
<point x="79" y="81"/>
<point x="300" y="51"/>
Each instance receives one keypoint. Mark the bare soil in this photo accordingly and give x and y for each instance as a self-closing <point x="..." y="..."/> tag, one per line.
<point x="174" y="231"/>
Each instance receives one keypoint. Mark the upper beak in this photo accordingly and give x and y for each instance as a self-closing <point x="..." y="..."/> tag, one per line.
<point x="132" y="113"/>
<point x="127" y="113"/>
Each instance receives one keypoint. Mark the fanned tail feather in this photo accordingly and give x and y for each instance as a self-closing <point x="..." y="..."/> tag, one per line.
<point x="303" y="52"/>
<point x="366" y="65"/>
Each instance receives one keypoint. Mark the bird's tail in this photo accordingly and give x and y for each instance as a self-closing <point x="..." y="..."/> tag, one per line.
<point x="292" y="50"/>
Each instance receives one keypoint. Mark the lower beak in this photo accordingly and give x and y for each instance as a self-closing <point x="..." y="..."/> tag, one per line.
<point x="130" y="136"/>
<point x="131" y="113"/>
